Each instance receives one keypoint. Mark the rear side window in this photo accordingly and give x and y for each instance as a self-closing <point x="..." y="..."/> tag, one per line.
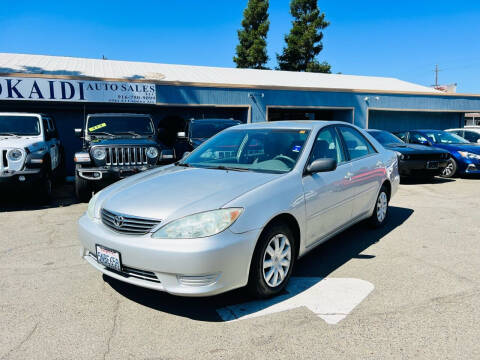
<point x="357" y="145"/>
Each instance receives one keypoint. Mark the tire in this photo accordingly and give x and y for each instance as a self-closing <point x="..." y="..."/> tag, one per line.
<point x="83" y="191"/>
<point x="450" y="170"/>
<point x="45" y="188"/>
<point x="380" y="212"/>
<point x="272" y="238"/>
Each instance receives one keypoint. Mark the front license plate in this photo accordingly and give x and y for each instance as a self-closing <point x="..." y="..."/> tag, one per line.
<point x="432" y="165"/>
<point x="109" y="258"/>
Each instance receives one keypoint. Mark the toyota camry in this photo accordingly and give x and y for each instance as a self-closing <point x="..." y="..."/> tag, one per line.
<point x="241" y="209"/>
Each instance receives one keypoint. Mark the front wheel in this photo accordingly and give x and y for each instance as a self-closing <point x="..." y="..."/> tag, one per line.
<point x="46" y="184"/>
<point x="450" y="169"/>
<point x="272" y="261"/>
<point x="380" y="213"/>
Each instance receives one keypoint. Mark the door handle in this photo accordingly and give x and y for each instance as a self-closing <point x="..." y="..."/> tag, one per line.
<point x="348" y="176"/>
<point x="379" y="163"/>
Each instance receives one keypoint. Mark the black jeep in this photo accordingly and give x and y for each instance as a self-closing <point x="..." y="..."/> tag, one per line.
<point x="114" y="147"/>
<point x="197" y="131"/>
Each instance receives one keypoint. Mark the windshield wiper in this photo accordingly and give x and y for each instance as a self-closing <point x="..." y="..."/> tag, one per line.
<point x="221" y="167"/>
<point x="102" y="133"/>
<point x="133" y="133"/>
<point x="8" y="134"/>
<point x="178" y="163"/>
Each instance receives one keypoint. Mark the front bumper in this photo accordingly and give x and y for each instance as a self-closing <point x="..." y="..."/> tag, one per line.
<point x="188" y="267"/>
<point x="111" y="174"/>
<point x="419" y="167"/>
<point x="25" y="176"/>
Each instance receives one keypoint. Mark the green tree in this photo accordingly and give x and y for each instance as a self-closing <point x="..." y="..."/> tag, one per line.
<point x="304" y="42"/>
<point x="252" y="47"/>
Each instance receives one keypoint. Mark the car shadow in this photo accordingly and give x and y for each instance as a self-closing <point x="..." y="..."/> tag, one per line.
<point x="26" y="199"/>
<point x="317" y="264"/>
<point x="417" y="181"/>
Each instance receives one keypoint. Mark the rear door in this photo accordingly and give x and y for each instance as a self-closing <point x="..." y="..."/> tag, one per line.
<point x="328" y="197"/>
<point x="367" y="170"/>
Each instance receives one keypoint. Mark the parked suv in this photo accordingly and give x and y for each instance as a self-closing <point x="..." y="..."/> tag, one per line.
<point x="114" y="147"/>
<point x="30" y="151"/>
<point x="197" y="131"/>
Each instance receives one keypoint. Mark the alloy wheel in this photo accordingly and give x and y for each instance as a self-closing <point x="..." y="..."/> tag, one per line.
<point x="448" y="170"/>
<point x="382" y="205"/>
<point x="277" y="260"/>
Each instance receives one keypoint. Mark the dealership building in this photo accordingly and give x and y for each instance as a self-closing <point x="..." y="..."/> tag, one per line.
<point x="70" y="88"/>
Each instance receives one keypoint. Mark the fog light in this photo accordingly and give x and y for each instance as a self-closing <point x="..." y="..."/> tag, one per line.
<point x="203" y="280"/>
<point x="21" y="178"/>
<point x="96" y="175"/>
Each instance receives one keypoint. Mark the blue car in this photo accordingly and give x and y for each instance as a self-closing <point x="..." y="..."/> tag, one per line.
<point x="464" y="156"/>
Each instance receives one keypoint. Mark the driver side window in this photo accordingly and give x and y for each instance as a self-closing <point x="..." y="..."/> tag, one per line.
<point x="417" y="138"/>
<point x="327" y="146"/>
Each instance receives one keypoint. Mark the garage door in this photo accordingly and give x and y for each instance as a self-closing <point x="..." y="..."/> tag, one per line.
<point x="286" y="113"/>
<point x="408" y="120"/>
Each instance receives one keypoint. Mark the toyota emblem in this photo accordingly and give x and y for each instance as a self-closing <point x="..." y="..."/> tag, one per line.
<point x="118" y="221"/>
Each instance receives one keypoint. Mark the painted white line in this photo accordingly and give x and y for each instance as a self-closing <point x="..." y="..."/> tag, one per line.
<point x="332" y="299"/>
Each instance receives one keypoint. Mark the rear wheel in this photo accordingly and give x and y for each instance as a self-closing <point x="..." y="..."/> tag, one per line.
<point x="272" y="261"/>
<point x="83" y="191"/>
<point x="380" y="213"/>
<point x="450" y="170"/>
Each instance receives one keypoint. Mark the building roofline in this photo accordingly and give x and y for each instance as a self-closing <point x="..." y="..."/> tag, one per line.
<point x="235" y="86"/>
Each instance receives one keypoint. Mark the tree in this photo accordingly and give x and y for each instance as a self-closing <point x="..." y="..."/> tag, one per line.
<point x="252" y="47"/>
<point x="304" y="42"/>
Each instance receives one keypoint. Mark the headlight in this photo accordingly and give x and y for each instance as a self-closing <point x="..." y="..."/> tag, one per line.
<point x="469" y="155"/>
<point x="14" y="155"/>
<point x="99" y="154"/>
<point x="91" y="206"/>
<point x="152" y="152"/>
<point x="199" y="225"/>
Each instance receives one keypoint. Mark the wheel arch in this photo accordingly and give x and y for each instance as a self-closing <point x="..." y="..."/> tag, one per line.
<point x="291" y="222"/>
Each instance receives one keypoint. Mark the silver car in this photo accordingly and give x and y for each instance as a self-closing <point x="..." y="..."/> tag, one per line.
<point x="241" y="209"/>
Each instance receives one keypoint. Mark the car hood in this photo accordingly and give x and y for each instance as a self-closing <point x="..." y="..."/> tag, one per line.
<point x="123" y="141"/>
<point x="175" y="191"/>
<point x="21" y="142"/>
<point x="475" y="149"/>
<point x="414" y="149"/>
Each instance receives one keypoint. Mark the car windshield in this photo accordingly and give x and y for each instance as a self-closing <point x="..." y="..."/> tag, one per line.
<point x="19" y="125"/>
<point x="116" y="125"/>
<point x="443" y="137"/>
<point x="261" y="150"/>
<point x="202" y="130"/>
<point x="385" y="138"/>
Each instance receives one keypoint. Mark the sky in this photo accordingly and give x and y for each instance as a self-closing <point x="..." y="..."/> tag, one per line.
<point x="403" y="39"/>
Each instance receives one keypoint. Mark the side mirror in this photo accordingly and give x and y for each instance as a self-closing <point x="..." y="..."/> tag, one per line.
<point x="181" y="135"/>
<point x="322" y="165"/>
<point x="185" y="154"/>
<point x="78" y="132"/>
<point x="478" y="141"/>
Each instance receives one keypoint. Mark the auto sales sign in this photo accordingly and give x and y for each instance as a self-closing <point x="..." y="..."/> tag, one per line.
<point x="41" y="89"/>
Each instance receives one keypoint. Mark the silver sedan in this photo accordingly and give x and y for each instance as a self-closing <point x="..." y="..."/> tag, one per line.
<point x="239" y="210"/>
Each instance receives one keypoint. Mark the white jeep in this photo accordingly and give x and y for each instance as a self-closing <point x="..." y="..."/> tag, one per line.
<point x="30" y="151"/>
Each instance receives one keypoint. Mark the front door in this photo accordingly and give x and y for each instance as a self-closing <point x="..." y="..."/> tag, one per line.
<point x="328" y="196"/>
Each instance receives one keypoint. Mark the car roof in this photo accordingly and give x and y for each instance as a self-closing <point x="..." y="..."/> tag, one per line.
<point x="118" y="114"/>
<point x="376" y="130"/>
<point x="291" y="124"/>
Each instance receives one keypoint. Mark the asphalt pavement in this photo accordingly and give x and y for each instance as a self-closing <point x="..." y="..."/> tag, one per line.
<point x="408" y="290"/>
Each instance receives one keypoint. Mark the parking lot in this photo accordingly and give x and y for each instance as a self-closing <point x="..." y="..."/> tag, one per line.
<point x="408" y="290"/>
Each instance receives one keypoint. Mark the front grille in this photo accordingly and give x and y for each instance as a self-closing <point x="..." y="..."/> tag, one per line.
<point x="126" y="224"/>
<point x="126" y="155"/>
<point x="438" y="156"/>
<point x="128" y="271"/>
